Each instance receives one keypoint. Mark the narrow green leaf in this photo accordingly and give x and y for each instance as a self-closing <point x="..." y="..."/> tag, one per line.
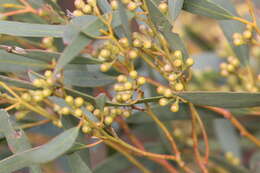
<point x="21" y="63"/>
<point x="17" y="140"/>
<point x="42" y="154"/>
<point x="104" y="6"/>
<point x="16" y="82"/>
<point x="223" y="99"/>
<point x="162" y="23"/>
<point x="207" y="8"/>
<point x="175" y="7"/>
<point x="124" y="20"/>
<point x="77" y="165"/>
<point x="30" y="30"/>
<point x="87" y="78"/>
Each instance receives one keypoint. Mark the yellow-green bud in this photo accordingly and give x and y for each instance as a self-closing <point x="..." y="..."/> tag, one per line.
<point x="133" y="74"/>
<point x="46" y="92"/>
<point x="97" y="112"/>
<point x="37" y="83"/>
<point x="133" y="54"/>
<point x="69" y="100"/>
<point x="78" y="13"/>
<point x="118" y="87"/>
<point x="137" y="43"/>
<point x="147" y="44"/>
<point x="105" y="67"/>
<point x="178" y="54"/>
<point x="90" y="107"/>
<point x="108" y="120"/>
<point x="177" y="63"/>
<point x="48" y="74"/>
<point x="126" y="113"/>
<point x="172" y="77"/>
<point x="128" y="86"/>
<point x="47" y="42"/>
<point x="124" y="42"/>
<point x="230" y="68"/>
<point x="163" y="102"/>
<point x="114" y="4"/>
<point x="163" y="7"/>
<point x="190" y="62"/>
<point x="132" y="6"/>
<point x="247" y="34"/>
<point x="79" y="101"/>
<point x="57" y="123"/>
<point x="121" y="78"/>
<point x="65" y="111"/>
<point x="178" y="86"/>
<point x="160" y="90"/>
<point x="92" y="2"/>
<point x="79" y="4"/>
<point x="86" y="129"/>
<point x="87" y="9"/>
<point x="141" y="80"/>
<point x="125" y="96"/>
<point x="105" y="53"/>
<point x="175" y="107"/>
<point x="26" y="97"/>
<point x="78" y="112"/>
<point x="167" y="92"/>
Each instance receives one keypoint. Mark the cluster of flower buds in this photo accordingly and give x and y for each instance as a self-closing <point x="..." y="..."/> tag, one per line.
<point x="244" y="38"/>
<point x="229" y="67"/>
<point x="232" y="159"/>
<point x="126" y="86"/>
<point x="83" y="8"/>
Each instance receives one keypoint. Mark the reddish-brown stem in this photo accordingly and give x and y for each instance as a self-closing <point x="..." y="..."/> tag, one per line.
<point x="139" y="145"/>
<point x="243" y="131"/>
<point x="195" y="139"/>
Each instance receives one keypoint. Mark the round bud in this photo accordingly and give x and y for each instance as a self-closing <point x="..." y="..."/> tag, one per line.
<point x="132" y="6"/>
<point x="86" y="129"/>
<point x="91" y="2"/>
<point x="69" y="100"/>
<point x="119" y="97"/>
<point x="230" y="68"/>
<point x="178" y="86"/>
<point x="121" y="78"/>
<point x="106" y="110"/>
<point x="172" y="77"/>
<point x="26" y="97"/>
<point x="46" y="92"/>
<point x="65" y="111"/>
<point x="126" y="97"/>
<point x="133" y="54"/>
<point x="79" y="101"/>
<point x="114" y="4"/>
<point x="128" y="86"/>
<point x="160" y="90"/>
<point x="87" y="9"/>
<point x="118" y="87"/>
<point x="224" y="73"/>
<point x="163" y="102"/>
<point x="247" y="34"/>
<point x="147" y="44"/>
<point x="78" y="112"/>
<point x="37" y="83"/>
<point x="229" y="156"/>
<point x="143" y="28"/>
<point x="163" y="7"/>
<point x="236" y="161"/>
<point x="108" y="120"/>
<point x="105" y="67"/>
<point x="48" y="74"/>
<point x="137" y="43"/>
<point x="237" y="36"/>
<point x="50" y="82"/>
<point x="79" y="4"/>
<point x="78" y="13"/>
<point x="56" y="108"/>
<point x="238" y="42"/>
<point x="178" y="54"/>
<point x="124" y="42"/>
<point x="57" y="123"/>
<point x="47" y="42"/>
<point x="235" y="62"/>
<point x="190" y="62"/>
<point x="97" y="112"/>
<point x="177" y="63"/>
<point x="167" y="68"/>
<point x="90" y="107"/>
<point x="133" y="74"/>
<point x="223" y="65"/>
<point x="141" y="80"/>
<point x="119" y="111"/>
<point x="105" y="53"/>
<point x="175" y="107"/>
<point x="167" y="92"/>
<point x="177" y="132"/>
<point x="126" y="113"/>
<point x="38" y="98"/>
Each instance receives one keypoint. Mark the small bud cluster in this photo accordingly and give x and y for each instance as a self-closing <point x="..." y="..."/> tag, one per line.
<point x="126" y="86"/>
<point x="244" y="38"/>
<point x="232" y="159"/>
<point x="83" y="8"/>
<point x="230" y="67"/>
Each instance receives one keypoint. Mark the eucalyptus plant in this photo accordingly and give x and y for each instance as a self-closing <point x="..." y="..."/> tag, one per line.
<point x="122" y="77"/>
